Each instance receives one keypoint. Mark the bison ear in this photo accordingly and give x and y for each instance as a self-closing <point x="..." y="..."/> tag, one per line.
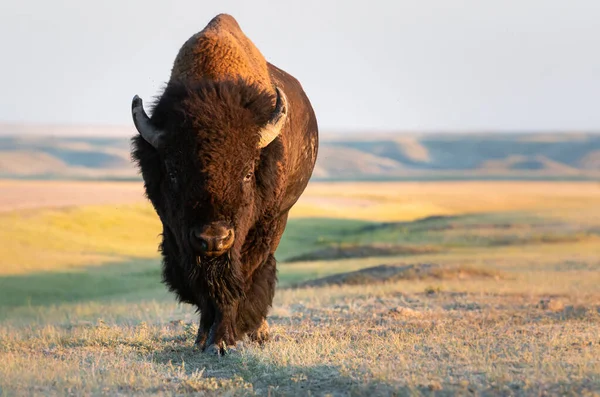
<point x="277" y="121"/>
<point x="144" y="125"/>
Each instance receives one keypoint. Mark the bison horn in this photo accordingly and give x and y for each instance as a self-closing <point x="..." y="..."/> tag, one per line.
<point x="273" y="128"/>
<point x="143" y="124"/>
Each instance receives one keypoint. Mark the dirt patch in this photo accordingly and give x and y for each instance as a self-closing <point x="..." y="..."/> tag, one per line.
<point x="389" y="273"/>
<point x="442" y="223"/>
<point x="557" y="308"/>
<point x="362" y="251"/>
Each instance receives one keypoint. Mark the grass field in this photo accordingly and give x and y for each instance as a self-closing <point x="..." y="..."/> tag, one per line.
<point x="513" y="308"/>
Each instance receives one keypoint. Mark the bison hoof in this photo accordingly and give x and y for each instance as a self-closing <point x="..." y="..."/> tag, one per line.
<point x="213" y="350"/>
<point x="220" y="350"/>
<point x="200" y="342"/>
<point x="261" y="334"/>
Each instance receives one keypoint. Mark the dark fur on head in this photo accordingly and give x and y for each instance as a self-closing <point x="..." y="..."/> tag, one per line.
<point x="211" y="130"/>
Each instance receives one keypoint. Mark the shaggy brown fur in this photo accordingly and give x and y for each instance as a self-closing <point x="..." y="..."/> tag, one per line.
<point x="221" y="52"/>
<point x="210" y="169"/>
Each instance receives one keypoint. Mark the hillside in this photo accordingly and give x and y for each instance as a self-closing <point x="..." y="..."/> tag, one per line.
<point x="458" y="156"/>
<point x="343" y="157"/>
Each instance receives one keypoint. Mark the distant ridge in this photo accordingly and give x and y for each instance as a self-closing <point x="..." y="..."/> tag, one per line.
<point x="79" y="152"/>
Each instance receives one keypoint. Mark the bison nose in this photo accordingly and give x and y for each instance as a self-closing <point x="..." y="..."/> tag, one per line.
<point x="212" y="240"/>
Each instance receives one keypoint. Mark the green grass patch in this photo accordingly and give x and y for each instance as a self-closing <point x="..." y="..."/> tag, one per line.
<point x="112" y="254"/>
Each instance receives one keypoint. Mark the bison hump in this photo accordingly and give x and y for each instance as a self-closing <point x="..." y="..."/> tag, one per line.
<point x="221" y="51"/>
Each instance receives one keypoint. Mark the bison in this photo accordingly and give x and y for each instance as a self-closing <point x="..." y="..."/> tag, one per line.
<point x="228" y="150"/>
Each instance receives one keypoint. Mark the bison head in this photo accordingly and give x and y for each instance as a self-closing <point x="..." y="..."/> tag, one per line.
<point x="206" y="156"/>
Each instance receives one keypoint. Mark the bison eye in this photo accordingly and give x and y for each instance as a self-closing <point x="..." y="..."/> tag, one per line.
<point x="248" y="176"/>
<point x="173" y="178"/>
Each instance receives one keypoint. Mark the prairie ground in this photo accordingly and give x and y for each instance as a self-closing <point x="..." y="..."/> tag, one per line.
<point x="489" y="288"/>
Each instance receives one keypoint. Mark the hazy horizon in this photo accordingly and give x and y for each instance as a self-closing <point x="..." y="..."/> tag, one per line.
<point x="518" y="66"/>
<point x="126" y="131"/>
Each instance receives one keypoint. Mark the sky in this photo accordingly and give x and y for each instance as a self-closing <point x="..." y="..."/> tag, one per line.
<point x="422" y="65"/>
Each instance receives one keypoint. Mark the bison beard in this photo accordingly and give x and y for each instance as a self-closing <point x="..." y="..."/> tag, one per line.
<point x="228" y="311"/>
<point x="223" y="160"/>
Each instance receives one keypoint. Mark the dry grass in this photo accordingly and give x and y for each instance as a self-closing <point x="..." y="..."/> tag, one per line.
<point x="56" y="239"/>
<point x="17" y="195"/>
<point x="393" y="272"/>
<point x="534" y="330"/>
<point x="406" y="201"/>
<point x="523" y="321"/>
<point x="399" y="338"/>
<point x="66" y="236"/>
<point x="387" y="201"/>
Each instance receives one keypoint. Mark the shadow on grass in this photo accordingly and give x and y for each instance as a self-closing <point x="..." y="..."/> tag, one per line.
<point x="303" y="237"/>
<point x="236" y="370"/>
<point x="133" y="276"/>
<point x="329" y="239"/>
<point x="80" y="285"/>
<point x="232" y="374"/>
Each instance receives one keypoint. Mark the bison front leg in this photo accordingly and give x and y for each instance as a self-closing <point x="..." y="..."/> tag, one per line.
<point x="207" y="318"/>
<point x="261" y="334"/>
<point x="222" y="335"/>
<point x="254" y="307"/>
